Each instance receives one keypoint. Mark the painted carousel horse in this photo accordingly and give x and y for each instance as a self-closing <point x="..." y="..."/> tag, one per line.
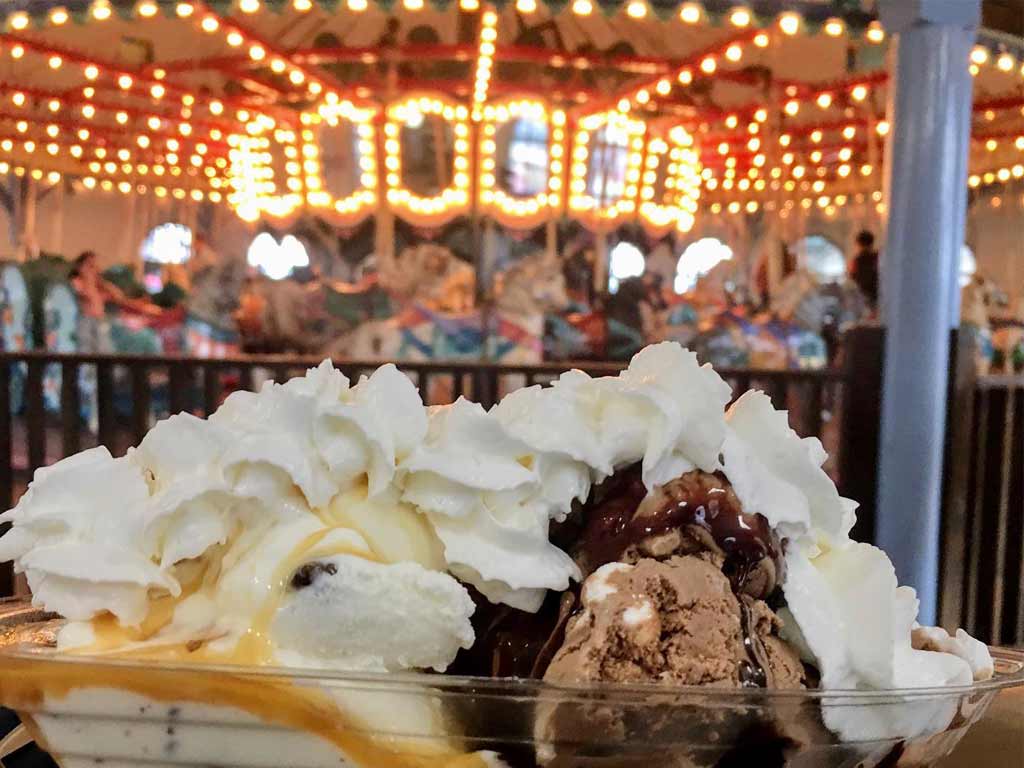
<point x="974" y="321"/>
<point x="15" y="325"/>
<point x="210" y="328"/>
<point x="439" y="323"/>
<point x="998" y="337"/>
<point x="528" y="292"/>
<point x="431" y="293"/>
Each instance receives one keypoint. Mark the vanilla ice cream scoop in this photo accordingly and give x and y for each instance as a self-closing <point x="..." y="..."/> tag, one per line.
<point x="194" y="545"/>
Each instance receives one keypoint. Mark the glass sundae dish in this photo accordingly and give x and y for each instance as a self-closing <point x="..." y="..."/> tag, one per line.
<point x="605" y="572"/>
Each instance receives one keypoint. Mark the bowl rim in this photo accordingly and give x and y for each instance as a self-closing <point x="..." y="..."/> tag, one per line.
<point x="1009" y="673"/>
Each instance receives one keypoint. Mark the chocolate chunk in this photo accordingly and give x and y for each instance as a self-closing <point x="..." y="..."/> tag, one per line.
<point x="309" y="573"/>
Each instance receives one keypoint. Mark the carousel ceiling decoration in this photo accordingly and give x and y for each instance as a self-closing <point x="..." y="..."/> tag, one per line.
<point x="610" y="112"/>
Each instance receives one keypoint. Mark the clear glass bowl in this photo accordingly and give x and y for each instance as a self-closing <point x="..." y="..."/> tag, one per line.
<point x="88" y="711"/>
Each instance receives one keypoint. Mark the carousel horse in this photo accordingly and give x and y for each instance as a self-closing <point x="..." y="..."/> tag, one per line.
<point x="998" y="336"/>
<point x="210" y="329"/>
<point x="439" y="323"/>
<point x="974" y="321"/>
<point x="279" y="316"/>
<point x="808" y="318"/>
<point x="528" y="292"/>
<point x="16" y="318"/>
<point x="431" y="291"/>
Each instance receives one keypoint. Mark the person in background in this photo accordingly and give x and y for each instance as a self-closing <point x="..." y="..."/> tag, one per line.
<point x="864" y="268"/>
<point x="578" y="270"/>
<point x="93" y="294"/>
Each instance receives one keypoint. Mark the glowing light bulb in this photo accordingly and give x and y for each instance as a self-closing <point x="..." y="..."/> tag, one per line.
<point x="734" y="52"/>
<point x="691" y="13"/>
<point x="209" y="24"/>
<point x="740" y="17"/>
<point x="636" y="9"/>
<point x="834" y="27"/>
<point x="709" y="65"/>
<point x="19" y="21"/>
<point x="824" y="100"/>
<point x="184" y="10"/>
<point x="789" y="23"/>
<point x="875" y="32"/>
<point x="792" y="107"/>
<point x="55" y="62"/>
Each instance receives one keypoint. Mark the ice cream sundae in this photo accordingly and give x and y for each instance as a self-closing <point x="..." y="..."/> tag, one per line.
<point x="633" y="531"/>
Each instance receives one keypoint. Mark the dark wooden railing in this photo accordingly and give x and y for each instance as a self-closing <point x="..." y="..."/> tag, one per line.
<point x="982" y="586"/>
<point x="129" y="393"/>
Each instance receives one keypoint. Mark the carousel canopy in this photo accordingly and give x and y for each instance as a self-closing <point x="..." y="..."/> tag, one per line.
<point x="642" y="110"/>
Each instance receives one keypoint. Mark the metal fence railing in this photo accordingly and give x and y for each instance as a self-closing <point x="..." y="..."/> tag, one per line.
<point x="983" y="516"/>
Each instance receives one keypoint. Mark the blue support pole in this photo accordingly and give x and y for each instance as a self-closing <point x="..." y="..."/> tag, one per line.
<point x="929" y="109"/>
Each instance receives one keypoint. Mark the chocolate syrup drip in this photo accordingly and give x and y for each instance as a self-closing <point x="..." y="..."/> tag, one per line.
<point x="622" y="516"/>
<point x="512" y="643"/>
<point x="753" y="674"/>
<point x="892" y="760"/>
<point x="761" y="744"/>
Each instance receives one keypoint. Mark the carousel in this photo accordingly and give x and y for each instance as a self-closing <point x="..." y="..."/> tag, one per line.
<point x="512" y="181"/>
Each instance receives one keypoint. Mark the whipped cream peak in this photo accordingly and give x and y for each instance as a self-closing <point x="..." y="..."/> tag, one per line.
<point x="79" y="535"/>
<point x="778" y="474"/>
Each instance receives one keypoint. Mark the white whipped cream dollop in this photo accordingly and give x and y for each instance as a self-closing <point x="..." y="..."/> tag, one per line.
<point x="845" y="609"/>
<point x="79" y="535"/>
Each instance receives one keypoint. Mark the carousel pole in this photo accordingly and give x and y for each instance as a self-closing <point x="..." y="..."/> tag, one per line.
<point x="384" y="221"/>
<point x="27" y="198"/>
<point x="551" y="237"/>
<point x="58" y="218"/>
<point x="929" y="111"/>
<point x="600" y="261"/>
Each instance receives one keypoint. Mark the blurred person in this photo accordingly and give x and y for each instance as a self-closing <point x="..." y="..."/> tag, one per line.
<point x="578" y="271"/>
<point x="93" y="293"/>
<point x="864" y="268"/>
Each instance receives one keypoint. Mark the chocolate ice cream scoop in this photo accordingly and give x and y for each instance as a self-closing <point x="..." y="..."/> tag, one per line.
<point x="678" y="622"/>
<point x="674" y="621"/>
<point x="697" y="512"/>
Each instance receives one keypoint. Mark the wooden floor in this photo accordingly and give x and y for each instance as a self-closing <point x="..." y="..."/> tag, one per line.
<point x="997" y="741"/>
